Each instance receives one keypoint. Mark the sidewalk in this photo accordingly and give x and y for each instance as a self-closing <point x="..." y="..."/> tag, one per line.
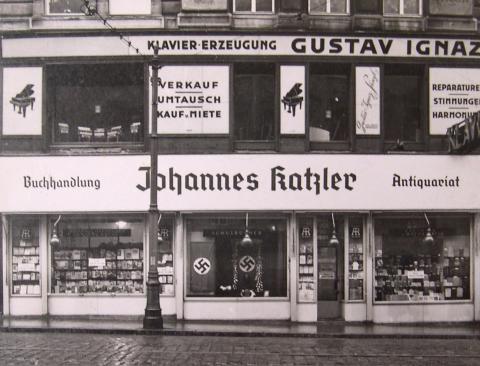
<point x="172" y="326"/>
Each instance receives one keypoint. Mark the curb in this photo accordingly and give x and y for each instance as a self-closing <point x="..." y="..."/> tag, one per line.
<point x="172" y="332"/>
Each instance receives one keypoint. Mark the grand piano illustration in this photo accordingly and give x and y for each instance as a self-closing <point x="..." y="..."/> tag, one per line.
<point x="293" y="98"/>
<point x="23" y="99"/>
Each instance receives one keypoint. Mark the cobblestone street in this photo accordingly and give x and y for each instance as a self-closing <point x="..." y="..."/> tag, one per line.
<point x="94" y="349"/>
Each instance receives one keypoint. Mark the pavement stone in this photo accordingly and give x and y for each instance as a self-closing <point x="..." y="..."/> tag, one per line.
<point x="51" y="349"/>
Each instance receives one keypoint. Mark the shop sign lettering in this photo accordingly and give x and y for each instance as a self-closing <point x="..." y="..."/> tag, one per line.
<point x="280" y="180"/>
<point x="367" y="100"/>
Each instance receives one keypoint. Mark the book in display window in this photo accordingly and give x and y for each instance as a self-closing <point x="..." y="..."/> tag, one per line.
<point x="306" y="269"/>
<point x="25" y="257"/>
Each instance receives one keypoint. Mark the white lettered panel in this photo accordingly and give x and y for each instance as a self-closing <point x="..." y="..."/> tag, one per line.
<point x="193" y="100"/>
<point x="454" y="95"/>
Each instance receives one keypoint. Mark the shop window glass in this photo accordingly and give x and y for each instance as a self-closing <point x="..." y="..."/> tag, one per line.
<point x="98" y="255"/>
<point x="25" y="256"/>
<point x="254" y="5"/>
<point x="402" y="100"/>
<point x="219" y="265"/>
<point x="328" y="103"/>
<point x="356" y="268"/>
<point x="165" y="256"/>
<point x="329" y="6"/>
<point x="96" y="103"/>
<point x="306" y="261"/>
<point x="408" y="268"/>
<point x="254" y="93"/>
<point x="66" y="6"/>
<point x="402" y="7"/>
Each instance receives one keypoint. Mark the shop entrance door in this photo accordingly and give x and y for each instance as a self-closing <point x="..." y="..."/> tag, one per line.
<point x="328" y="292"/>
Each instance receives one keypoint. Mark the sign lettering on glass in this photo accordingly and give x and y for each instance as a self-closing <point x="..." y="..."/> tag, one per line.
<point x="367" y="100"/>
<point x="193" y="99"/>
<point x="454" y="97"/>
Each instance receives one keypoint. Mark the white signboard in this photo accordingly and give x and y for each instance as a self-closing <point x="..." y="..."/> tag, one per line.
<point x="240" y="182"/>
<point x="244" y="45"/>
<point x="454" y="95"/>
<point x="73" y="183"/>
<point x="367" y="101"/>
<point x="193" y="100"/>
<point x="292" y="93"/>
<point x="22" y="101"/>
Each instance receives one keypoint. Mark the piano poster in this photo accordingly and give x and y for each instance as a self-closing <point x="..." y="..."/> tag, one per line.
<point x="367" y="100"/>
<point x="292" y="94"/>
<point x="22" y="101"/>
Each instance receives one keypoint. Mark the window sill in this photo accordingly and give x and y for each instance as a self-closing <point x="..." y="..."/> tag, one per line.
<point x="116" y="147"/>
<point x="339" y="146"/>
<point x="234" y="299"/>
<point x="241" y="146"/>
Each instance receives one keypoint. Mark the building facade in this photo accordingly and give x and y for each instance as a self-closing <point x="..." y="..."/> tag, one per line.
<point x="316" y="158"/>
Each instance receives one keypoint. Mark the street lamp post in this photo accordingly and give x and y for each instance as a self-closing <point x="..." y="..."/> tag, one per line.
<point x="153" y="313"/>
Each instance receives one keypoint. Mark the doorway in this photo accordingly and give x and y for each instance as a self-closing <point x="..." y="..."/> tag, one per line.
<point x="330" y="271"/>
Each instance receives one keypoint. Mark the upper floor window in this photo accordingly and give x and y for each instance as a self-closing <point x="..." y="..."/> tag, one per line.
<point x="254" y="6"/>
<point x="96" y="102"/>
<point x="329" y="6"/>
<point x="329" y="102"/>
<point x="66" y="6"/>
<point x="254" y="93"/>
<point x="127" y="7"/>
<point x="402" y="7"/>
<point x="402" y="103"/>
<point x="367" y="6"/>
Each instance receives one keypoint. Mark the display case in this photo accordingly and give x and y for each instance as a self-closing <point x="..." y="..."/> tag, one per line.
<point x="356" y="269"/>
<point x="306" y="270"/>
<point x="165" y="260"/>
<point x="25" y="257"/>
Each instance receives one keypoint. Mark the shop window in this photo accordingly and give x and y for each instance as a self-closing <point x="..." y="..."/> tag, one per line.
<point x="329" y="6"/>
<point x="402" y="7"/>
<point x="96" y="103"/>
<point x="402" y="100"/>
<point x="329" y="103"/>
<point x="97" y="255"/>
<point x="254" y="94"/>
<point x="306" y="261"/>
<point x="66" y="6"/>
<point x="410" y="268"/>
<point x="221" y="264"/>
<point x="25" y="256"/>
<point x="356" y="259"/>
<point x="253" y="6"/>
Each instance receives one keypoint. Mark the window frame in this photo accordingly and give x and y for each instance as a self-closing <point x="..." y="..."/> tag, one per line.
<point x="50" y="86"/>
<point x="339" y="145"/>
<point x="253" y="8"/>
<point x="328" y="8"/>
<point x="50" y="13"/>
<point x="401" y="12"/>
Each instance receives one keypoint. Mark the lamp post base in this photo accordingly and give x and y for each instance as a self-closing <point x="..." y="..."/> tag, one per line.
<point x="153" y="313"/>
<point x="153" y="319"/>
